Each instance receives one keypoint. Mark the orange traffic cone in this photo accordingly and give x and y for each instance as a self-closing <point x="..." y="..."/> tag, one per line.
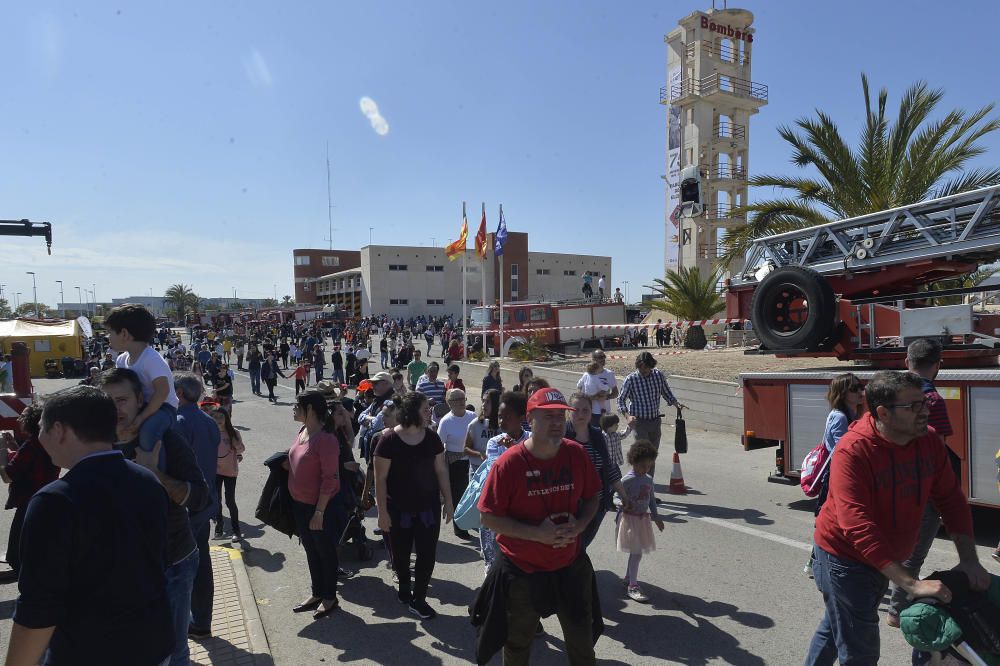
<point x="677" y="486"/>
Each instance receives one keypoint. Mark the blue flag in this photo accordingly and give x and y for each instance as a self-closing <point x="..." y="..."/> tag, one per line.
<point x="501" y="236"/>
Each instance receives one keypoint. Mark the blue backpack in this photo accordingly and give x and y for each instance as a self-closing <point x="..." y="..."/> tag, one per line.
<point x="467" y="510"/>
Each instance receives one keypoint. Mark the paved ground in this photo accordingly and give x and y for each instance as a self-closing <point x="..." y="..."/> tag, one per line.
<point x="725" y="585"/>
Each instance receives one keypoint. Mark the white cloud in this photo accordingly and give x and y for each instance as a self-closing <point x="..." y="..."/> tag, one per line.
<point x="370" y="109"/>
<point x="257" y="70"/>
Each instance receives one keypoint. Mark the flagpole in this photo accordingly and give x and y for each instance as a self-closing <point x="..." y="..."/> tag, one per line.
<point x="501" y="294"/>
<point x="465" y="339"/>
<point x="482" y="277"/>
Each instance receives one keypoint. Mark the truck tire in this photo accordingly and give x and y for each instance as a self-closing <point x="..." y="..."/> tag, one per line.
<point x="793" y="308"/>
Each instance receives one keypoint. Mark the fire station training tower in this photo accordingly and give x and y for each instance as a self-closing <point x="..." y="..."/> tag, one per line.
<point x="710" y="97"/>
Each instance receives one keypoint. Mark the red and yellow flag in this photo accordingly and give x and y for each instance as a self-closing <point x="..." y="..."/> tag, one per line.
<point x="454" y="250"/>
<point x="482" y="240"/>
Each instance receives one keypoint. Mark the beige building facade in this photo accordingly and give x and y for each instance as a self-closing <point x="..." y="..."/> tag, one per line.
<point x="406" y="281"/>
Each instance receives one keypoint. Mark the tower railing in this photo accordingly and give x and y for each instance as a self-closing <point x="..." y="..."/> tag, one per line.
<point x="720" y="52"/>
<point x="724" y="130"/>
<point x="714" y="83"/>
<point x="720" y="212"/>
<point x="724" y="172"/>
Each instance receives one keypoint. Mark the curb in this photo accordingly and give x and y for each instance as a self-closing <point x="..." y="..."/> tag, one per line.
<point x="251" y="614"/>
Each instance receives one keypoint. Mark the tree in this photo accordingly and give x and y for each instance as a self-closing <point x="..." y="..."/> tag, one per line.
<point x="5" y="311"/>
<point x="896" y="163"/>
<point x="287" y="300"/>
<point x="973" y="279"/>
<point x="269" y="303"/>
<point x="688" y="296"/>
<point x="28" y="310"/>
<point x="235" y="306"/>
<point x="183" y="298"/>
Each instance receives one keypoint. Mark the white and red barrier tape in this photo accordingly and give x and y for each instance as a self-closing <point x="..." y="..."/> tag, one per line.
<point x="665" y="324"/>
<point x="675" y="353"/>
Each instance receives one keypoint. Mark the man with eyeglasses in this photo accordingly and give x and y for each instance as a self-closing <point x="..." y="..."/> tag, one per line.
<point x="923" y="358"/>
<point x="883" y="473"/>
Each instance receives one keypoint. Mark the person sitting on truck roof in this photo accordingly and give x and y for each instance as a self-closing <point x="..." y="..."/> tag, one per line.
<point x="883" y="473"/>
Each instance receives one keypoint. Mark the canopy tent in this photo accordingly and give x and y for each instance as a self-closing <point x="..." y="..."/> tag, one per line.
<point x="45" y="340"/>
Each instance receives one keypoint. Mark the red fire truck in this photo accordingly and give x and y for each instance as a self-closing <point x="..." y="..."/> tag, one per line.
<point x="857" y="290"/>
<point x="555" y="324"/>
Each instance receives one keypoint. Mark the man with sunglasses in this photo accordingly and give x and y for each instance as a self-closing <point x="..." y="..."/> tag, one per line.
<point x="883" y="473"/>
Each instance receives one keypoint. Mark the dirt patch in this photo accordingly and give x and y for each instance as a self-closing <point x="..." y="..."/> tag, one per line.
<point x="718" y="364"/>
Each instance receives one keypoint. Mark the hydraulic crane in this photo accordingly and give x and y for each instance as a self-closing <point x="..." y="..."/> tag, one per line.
<point x="27" y="228"/>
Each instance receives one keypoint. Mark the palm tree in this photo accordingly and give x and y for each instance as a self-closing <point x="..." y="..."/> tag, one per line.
<point x="687" y="295"/>
<point x="898" y="162"/>
<point x="183" y="298"/>
<point x="269" y="303"/>
<point x="287" y="300"/>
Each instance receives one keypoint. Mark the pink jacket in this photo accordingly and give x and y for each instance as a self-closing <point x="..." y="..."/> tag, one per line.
<point x="228" y="450"/>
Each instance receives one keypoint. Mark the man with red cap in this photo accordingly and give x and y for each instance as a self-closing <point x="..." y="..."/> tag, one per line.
<point x="538" y="498"/>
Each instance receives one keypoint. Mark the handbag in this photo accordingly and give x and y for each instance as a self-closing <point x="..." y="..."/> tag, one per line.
<point x="680" y="434"/>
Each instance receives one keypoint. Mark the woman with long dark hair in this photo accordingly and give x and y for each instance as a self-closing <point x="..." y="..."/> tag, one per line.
<point x="411" y="477"/>
<point x="492" y="379"/>
<point x="230" y="455"/>
<point x="524" y="375"/>
<point x="482" y="430"/>
<point x="580" y="430"/>
<point x="313" y="480"/>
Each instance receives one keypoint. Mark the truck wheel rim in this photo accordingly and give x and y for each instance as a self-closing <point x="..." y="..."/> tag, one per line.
<point x="786" y="309"/>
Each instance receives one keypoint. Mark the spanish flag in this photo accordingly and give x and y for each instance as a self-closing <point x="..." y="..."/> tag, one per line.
<point x="454" y="250"/>
<point x="482" y="241"/>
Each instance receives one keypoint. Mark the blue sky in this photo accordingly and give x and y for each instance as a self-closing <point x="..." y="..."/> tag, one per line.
<point x="185" y="142"/>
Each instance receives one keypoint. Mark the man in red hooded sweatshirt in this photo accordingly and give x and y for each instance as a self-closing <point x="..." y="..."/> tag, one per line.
<point x="883" y="473"/>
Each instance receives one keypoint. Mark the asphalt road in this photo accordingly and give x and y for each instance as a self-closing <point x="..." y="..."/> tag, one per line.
<point x="726" y="584"/>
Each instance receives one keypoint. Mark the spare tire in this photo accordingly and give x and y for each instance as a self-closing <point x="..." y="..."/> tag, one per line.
<point x="793" y="308"/>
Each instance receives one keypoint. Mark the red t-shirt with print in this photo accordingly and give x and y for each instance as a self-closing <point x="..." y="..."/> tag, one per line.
<point x="528" y="489"/>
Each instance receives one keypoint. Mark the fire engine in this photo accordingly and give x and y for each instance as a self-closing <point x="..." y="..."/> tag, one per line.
<point x="554" y="323"/>
<point x="857" y="289"/>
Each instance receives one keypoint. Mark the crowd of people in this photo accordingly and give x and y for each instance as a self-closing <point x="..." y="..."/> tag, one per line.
<point x="540" y="470"/>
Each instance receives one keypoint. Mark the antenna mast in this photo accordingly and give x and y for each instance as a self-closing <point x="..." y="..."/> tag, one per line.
<point x="329" y="196"/>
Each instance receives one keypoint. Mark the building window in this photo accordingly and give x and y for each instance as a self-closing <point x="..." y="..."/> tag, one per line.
<point x="331" y="261"/>
<point x="471" y="301"/>
<point x="397" y="267"/>
<point x="472" y="269"/>
<point x="513" y="281"/>
<point x="301" y="261"/>
<point x="399" y="301"/>
<point x="435" y="269"/>
<point x="542" y="271"/>
<point x="513" y="270"/>
<point x="569" y="273"/>
<point x="435" y="301"/>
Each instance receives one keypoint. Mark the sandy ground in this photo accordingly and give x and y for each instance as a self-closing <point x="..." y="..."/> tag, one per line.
<point x="719" y="364"/>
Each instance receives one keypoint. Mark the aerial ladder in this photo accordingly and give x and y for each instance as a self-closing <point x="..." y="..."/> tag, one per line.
<point x="857" y="288"/>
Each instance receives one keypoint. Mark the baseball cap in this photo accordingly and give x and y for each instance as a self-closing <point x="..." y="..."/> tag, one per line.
<point x="382" y="377"/>
<point x="548" y="398"/>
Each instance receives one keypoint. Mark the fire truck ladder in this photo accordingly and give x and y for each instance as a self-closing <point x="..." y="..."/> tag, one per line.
<point x="962" y="227"/>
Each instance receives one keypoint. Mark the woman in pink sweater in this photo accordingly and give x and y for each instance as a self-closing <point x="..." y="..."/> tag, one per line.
<point x="230" y="455"/>
<point x="313" y="479"/>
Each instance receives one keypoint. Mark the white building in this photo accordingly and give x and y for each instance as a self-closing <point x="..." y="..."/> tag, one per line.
<point x="409" y="281"/>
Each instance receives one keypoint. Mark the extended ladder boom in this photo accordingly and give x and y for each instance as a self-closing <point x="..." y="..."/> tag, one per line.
<point x="27" y="228"/>
<point x="962" y="227"/>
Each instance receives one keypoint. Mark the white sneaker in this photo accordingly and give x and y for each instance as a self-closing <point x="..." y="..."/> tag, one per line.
<point x="635" y="594"/>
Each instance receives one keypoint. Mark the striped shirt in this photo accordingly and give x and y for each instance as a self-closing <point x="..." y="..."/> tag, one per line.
<point x="433" y="389"/>
<point x="640" y="396"/>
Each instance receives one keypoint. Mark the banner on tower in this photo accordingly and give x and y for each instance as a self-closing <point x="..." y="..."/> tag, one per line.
<point x="674" y="141"/>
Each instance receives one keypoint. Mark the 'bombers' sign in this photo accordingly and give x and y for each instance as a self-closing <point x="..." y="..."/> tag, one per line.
<point x="725" y="30"/>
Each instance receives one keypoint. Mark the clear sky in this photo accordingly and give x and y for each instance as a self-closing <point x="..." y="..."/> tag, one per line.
<point x="185" y="142"/>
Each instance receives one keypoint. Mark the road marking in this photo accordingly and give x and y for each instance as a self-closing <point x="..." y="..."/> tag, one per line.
<point x="801" y="545"/>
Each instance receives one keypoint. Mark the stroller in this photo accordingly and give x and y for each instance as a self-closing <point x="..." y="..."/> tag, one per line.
<point x="965" y="631"/>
